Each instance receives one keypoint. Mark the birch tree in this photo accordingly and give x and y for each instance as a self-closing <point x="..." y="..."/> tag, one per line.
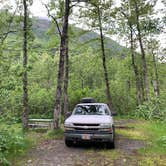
<point x="126" y="28"/>
<point x="60" y="78"/>
<point x="25" y="63"/>
<point x="97" y="13"/>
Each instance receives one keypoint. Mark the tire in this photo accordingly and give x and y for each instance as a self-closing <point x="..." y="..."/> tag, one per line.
<point x="68" y="143"/>
<point x="111" y="145"/>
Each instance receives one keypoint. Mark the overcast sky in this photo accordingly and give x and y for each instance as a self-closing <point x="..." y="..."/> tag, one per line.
<point x="38" y="10"/>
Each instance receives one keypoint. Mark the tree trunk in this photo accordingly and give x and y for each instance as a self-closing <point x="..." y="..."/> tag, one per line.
<point x="63" y="48"/>
<point x="156" y="81"/>
<point x="142" y="86"/>
<point x="109" y="98"/>
<point x="137" y="81"/>
<point x="25" y="80"/>
<point x="66" y="80"/>
<point x="145" y="73"/>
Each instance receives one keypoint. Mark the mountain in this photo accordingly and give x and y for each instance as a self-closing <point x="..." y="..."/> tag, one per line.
<point x="79" y="36"/>
<point x="40" y="26"/>
<point x="44" y="41"/>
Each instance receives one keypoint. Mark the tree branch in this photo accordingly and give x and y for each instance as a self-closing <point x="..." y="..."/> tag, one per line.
<point x="76" y="4"/>
<point x="54" y="19"/>
<point x="129" y="22"/>
<point x="5" y="35"/>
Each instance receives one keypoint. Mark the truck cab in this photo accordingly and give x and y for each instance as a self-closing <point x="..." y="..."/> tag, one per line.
<point x="90" y="122"/>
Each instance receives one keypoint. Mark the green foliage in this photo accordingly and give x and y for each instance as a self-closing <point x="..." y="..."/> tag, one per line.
<point x="12" y="143"/>
<point x="86" y="77"/>
<point x="155" y="130"/>
<point x="55" y="134"/>
<point x="151" y="110"/>
<point x="163" y="140"/>
<point x="86" y="72"/>
<point x="38" y="102"/>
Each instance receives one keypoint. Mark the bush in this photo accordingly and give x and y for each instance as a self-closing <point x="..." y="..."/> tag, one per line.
<point x="76" y="95"/>
<point x="11" y="144"/>
<point x="163" y="140"/>
<point x="55" y="134"/>
<point x="41" y="102"/>
<point x="151" y="110"/>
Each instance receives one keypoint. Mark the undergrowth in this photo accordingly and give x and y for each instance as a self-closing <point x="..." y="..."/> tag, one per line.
<point x="12" y="143"/>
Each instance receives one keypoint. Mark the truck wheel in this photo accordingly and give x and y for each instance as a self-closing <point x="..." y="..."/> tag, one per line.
<point x="111" y="145"/>
<point x="68" y="143"/>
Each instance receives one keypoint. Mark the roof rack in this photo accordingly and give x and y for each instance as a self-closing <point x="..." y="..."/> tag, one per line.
<point x="88" y="100"/>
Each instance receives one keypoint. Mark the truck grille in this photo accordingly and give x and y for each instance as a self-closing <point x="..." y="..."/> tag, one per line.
<point x="83" y="129"/>
<point x="86" y="127"/>
<point x="80" y="124"/>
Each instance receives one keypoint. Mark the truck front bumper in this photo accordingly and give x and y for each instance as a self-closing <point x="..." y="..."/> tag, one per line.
<point x="96" y="137"/>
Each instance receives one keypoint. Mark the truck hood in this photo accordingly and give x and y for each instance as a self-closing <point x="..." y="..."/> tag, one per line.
<point x="89" y="119"/>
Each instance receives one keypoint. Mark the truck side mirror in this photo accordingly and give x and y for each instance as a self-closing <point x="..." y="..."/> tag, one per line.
<point x="67" y="114"/>
<point x="113" y="113"/>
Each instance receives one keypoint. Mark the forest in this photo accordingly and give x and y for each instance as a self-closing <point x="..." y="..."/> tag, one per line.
<point x="47" y="65"/>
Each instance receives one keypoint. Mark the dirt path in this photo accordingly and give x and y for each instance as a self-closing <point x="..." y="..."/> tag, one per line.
<point x="55" y="153"/>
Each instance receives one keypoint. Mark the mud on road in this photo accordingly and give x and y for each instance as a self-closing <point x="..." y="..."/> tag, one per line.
<point x="55" y="153"/>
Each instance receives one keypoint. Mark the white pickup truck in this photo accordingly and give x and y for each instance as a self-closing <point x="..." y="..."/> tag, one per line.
<point x="90" y="122"/>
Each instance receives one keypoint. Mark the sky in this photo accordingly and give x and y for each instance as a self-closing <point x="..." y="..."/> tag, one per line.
<point x="38" y="10"/>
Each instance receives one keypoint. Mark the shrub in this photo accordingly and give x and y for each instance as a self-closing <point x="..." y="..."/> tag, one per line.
<point x="11" y="144"/>
<point x="163" y="140"/>
<point x="41" y="102"/>
<point x="151" y="110"/>
<point x="55" y="134"/>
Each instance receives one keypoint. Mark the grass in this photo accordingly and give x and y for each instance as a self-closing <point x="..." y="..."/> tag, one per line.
<point x="132" y="134"/>
<point x="156" y="132"/>
<point x="18" y="143"/>
<point x="13" y="143"/>
<point x="153" y="132"/>
<point x="55" y="134"/>
<point x="101" y="157"/>
<point x="110" y="154"/>
<point x="152" y="161"/>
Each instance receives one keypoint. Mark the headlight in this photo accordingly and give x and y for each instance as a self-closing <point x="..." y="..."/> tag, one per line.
<point x="106" y="125"/>
<point x="69" y="129"/>
<point x="68" y="125"/>
<point x="107" y="129"/>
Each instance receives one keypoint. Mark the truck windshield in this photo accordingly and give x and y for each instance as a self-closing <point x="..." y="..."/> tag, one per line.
<point x="91" y="110"/>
